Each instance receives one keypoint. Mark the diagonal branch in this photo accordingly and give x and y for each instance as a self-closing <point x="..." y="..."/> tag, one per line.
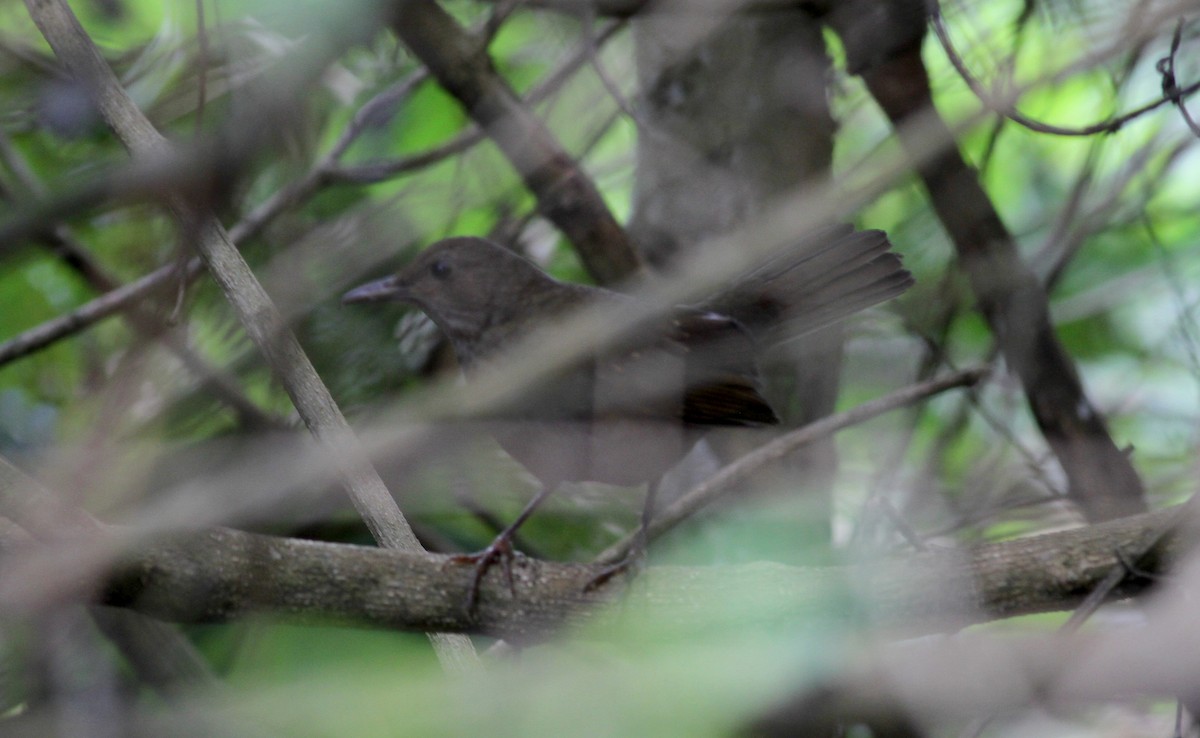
<point x="722" y="482"/>
<point x="326" y="170"/>
<point x="566" y="196"/>
<point x="377" y="171"/>
<point x="250" y="302"/>
<point x="62" y="242"/>
<point x="1102" y="480"/>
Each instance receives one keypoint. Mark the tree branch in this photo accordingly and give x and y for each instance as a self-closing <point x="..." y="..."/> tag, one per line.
<point x="566" y="196"/>
<point x="938" y="681"/>
<point x="222" y="574"/>
<point x="165" y="659"/>
<point x="380" y="170"/>
<point x="718" y="484"/>
<point x="250" y="302"/>
<point x="62" y="242"/>
<point x="1102" y="479"/>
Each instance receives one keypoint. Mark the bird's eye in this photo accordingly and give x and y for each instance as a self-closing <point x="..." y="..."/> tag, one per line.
<point x="440" y="269"/>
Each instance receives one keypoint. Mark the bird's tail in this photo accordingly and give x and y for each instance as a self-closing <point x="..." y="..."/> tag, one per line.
<point x="831" y="275"/>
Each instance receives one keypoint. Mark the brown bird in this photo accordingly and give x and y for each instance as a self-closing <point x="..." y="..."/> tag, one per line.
<point x="627" y="413"/>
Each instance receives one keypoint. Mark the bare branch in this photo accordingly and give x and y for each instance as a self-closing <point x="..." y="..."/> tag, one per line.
<point x="1172" y="94"/>
<point x="1102" y="479"/>
<point x="61" y="241"/>
<point x="720" y="483"/>
<point x="378" y="171"/>
<point x="566" y="196"/>
<point x="221" y="574"/>
<point x="251" y="303"/>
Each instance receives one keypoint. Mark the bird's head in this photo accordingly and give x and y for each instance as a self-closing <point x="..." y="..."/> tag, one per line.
<point x="464" y="284"/>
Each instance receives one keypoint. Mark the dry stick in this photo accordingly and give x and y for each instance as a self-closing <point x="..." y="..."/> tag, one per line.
<point x="253" y="306"/>
<point x="718" y="484"/>
<point x="566" y="196"/>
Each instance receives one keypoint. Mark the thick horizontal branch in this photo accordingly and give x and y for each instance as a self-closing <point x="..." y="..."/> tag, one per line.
<point x="221" y="574"/>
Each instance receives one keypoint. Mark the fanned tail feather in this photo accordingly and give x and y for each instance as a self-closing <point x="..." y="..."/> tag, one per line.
<point x="831" y="275"/>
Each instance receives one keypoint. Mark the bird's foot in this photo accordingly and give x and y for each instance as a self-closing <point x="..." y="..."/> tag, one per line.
<point x="499" y="550"/>
<point x="630" y="565"/>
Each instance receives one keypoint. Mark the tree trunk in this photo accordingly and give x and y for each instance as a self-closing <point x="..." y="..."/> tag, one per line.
<point x="734" y="113"/>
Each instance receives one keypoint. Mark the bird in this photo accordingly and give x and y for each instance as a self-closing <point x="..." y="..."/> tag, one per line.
<point x="625" y="413"/>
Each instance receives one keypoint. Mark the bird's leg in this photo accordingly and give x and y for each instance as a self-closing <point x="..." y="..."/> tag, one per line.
<point x="500" y="549"/>
<point x="637" y="548"/>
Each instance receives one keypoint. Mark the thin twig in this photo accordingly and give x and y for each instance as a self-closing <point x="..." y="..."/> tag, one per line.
<point x="1170" y="86"/>
<point x="61" y="241"/>
<point x="1009" y="110"/>
<point x="720" y="483"/>
<point x="378" y="171"/>
<point x="91" y="312"/>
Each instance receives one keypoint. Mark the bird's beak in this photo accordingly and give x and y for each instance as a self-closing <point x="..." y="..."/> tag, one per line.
<point x="388" y="288"/>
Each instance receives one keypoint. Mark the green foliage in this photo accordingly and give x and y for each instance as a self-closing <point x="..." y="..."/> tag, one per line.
<point x="959" y="468"/>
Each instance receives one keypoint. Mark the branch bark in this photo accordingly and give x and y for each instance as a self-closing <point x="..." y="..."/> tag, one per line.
<point x="221" y="574"/>
<point x="938" y="681"/>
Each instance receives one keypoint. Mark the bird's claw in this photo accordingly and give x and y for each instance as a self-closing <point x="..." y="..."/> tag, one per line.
<point x="630" y="565"/>
<point x="500" y="550"/>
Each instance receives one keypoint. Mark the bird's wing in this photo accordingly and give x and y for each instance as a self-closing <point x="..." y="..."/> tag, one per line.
<point x="721" y="371"/>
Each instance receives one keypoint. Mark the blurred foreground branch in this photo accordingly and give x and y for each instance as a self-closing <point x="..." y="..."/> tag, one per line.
<point x="738" y="471"/>
<point x="943" y="682"/>
<point x="158" y="653"/>
<point x="249" y="300"/>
